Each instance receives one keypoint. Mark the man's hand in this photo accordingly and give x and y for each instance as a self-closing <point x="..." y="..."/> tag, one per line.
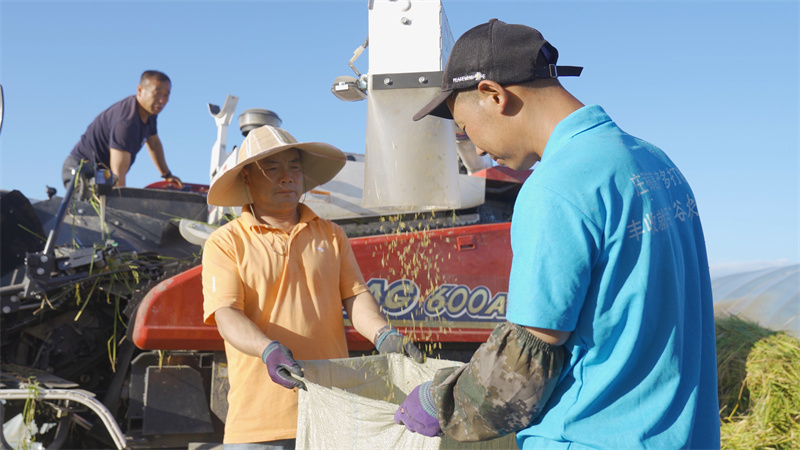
<point x="281" y="365"/>
<point x="391" y="341"/>
<point x="172" y="179"/>
<point x="418" y="412"/>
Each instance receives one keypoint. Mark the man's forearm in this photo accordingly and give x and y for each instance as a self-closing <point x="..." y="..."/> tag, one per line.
<point x="156" y="151"/>
<point x="240" y="332"/>
<point x="365" y="314"/>
<point x="503" y="387"/>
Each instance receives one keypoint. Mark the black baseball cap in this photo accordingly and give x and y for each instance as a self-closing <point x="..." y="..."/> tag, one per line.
<point x="497" y="51"/>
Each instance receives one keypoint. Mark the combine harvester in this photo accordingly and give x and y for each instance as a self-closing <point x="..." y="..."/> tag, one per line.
<point x="102" y="330"/>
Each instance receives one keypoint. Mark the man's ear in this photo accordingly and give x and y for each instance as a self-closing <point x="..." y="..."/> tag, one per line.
<point x="493" y="95"/>
<point x="139" y="89"/>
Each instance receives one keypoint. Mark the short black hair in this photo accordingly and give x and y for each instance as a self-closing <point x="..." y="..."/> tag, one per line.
<point x="160" y="76"/>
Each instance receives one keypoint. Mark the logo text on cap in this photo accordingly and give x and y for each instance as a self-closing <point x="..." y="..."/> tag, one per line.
<point x="471" y="77"/>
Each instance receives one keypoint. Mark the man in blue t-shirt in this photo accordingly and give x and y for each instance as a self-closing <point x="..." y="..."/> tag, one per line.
<point x="610" y="338"/>
<point x="115" y="136"/>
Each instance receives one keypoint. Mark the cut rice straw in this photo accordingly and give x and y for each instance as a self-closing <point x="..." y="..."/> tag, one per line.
<point x="759" y="386"/>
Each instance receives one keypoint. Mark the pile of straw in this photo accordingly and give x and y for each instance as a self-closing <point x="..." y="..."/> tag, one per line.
<point x="759" y="386"/>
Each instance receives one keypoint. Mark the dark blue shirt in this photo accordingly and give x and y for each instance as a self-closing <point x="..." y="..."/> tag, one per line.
<point x="118" y="127"/>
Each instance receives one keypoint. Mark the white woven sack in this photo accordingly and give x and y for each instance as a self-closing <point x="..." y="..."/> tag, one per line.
<point x="350" y="404"/>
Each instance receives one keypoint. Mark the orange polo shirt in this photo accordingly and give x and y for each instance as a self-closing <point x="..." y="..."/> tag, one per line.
<point x="292" y="287"/>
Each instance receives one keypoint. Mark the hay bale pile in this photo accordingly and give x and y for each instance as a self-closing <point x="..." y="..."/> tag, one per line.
<point x="759" y="386"/>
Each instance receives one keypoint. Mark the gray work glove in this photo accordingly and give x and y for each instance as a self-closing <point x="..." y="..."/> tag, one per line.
<point x="391" y="341"/>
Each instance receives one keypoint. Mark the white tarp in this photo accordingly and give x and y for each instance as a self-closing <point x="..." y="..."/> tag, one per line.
<point x="768" y="297"/>
<point x="350" y="404"/>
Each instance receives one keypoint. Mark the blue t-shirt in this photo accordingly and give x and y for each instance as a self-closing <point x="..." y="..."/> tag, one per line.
<point x="608" y="244"/>
<point x="118" y="127"/>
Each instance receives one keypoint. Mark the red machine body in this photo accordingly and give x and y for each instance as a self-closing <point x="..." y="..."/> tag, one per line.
<point x="440" y="285"/>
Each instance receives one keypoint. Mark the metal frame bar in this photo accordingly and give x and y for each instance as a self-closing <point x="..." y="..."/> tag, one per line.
<point x="72" y="395"/>
<point x="386" y="81"/>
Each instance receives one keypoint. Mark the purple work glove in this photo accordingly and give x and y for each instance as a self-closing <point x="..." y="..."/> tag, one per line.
<point x="418" y="412"/>
<point x="281" y="366"/>
<point x="391" y="341"/>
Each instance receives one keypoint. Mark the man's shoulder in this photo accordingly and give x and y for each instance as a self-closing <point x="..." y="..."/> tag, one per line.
<point x="583" y="169"/>
<point x="227" y="231"/>
<point x="327" y="226"/>
<point x="311" y="218"/>
<point x="122" y="113"/>
<point x="323" y="222"/>
<point x="594" y="156"/>
<point x="123" y="108"/>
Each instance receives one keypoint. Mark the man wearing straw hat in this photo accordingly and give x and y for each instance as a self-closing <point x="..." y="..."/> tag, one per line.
<point x="275" y="281"/>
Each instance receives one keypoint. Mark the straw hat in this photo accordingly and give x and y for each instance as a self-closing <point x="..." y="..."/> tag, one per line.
<point x="321" y="162"/>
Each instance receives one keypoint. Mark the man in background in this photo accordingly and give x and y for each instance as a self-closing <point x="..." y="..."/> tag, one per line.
<point x="115" y="136"/>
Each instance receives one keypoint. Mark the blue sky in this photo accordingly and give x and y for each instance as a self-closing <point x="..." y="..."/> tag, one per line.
<point x="714" y="84"/>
